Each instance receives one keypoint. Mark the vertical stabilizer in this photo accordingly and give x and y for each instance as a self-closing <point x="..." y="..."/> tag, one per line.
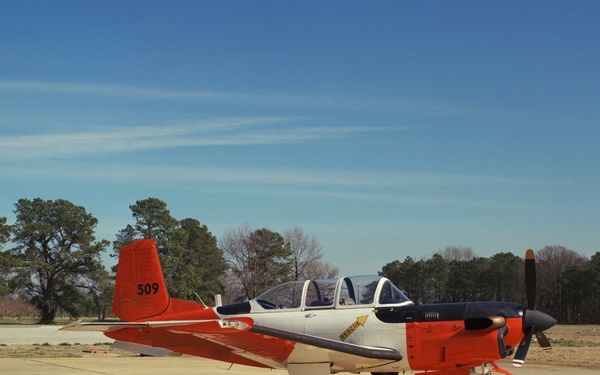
<point x="140" y="291"/>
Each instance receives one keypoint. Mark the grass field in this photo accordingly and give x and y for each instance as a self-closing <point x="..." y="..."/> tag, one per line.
<point x="573" y="346"/>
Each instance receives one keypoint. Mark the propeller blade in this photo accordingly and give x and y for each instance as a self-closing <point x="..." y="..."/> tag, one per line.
<point x="543" y="340"/>
<point x="530" y="280"/>
<point x="519" y="357"/>
<point x="534" y="322"/>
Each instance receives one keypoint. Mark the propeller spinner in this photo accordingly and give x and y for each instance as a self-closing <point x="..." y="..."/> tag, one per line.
<point x="534" y="322"/>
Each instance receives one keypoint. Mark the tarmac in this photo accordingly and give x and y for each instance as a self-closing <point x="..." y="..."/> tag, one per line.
<point x="125" y="366"/>
<point x="94" y="364"/>
<point x="47" y="334"/>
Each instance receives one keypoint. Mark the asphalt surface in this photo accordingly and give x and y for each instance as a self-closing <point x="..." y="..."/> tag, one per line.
<point x="125" y="366"/>
<point x="181" y="365"/>
<point x="108" y="365"/>
<point x="42" y="334"/>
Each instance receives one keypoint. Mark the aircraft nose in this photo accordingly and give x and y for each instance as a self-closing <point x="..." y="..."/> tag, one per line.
<point x="538" y="320"/>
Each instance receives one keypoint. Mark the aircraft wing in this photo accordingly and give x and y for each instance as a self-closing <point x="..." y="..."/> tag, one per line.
<point x="309" y="349"/>
<point x="241" y="341"/>
<point x="273" y="348"/>
<point x="332" y="345"/>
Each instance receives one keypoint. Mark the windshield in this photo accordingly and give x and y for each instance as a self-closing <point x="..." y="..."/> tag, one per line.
<point x="391" y="294"/>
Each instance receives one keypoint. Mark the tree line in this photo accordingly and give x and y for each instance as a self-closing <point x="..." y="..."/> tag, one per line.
<point x="52" y="261"/>
<point x="568" y="283"/>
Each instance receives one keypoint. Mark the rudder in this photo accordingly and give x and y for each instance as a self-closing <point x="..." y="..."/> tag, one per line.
<point x="140" y="290"/>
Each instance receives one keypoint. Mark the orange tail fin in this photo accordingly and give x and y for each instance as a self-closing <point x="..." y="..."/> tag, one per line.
<point x="140" y="291"/>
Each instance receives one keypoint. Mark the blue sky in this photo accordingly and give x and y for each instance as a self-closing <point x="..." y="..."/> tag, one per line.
<point x="385" y="130"/>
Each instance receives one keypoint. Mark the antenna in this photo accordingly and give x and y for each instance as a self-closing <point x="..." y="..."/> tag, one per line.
<point x="201" y="300"/>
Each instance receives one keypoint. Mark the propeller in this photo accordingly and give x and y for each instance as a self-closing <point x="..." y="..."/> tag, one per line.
<point x="530" y="279"/>
<point x="534" y="322"/>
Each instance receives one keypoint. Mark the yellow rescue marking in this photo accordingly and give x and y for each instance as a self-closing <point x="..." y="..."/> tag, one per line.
<point x="360" y="321"/>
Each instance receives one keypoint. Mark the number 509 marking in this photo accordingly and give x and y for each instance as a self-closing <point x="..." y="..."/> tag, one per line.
<point x="147" y="288"/>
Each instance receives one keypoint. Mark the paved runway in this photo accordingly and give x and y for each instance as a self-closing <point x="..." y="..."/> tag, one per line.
<point x="125" y="366"/>
<point x="108" y="365"/>
<point x="183" y="365"/>
<point x="42" y="334"/>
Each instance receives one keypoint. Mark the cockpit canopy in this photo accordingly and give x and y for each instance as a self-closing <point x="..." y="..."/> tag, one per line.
<point x="344" y="292"/>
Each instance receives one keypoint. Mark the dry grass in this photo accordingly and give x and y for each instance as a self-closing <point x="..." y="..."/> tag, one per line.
<point x="572" y="346"/>
<point x="64" y="350"/>
<point x="29" y="321"/>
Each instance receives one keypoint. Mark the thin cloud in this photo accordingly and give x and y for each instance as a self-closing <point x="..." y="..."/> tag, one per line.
<point x="425" y="108"/>
<point x="232" y="177"/>
<point x="79" y="88"/>
<point x="151" y="93"/>
<point x="213" y="132"/>
<point x="354" y="186"/>
<point x="339" y="178"/>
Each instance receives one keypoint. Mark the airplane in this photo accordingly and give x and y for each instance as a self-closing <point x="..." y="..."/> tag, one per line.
<point x="317" y="327"/>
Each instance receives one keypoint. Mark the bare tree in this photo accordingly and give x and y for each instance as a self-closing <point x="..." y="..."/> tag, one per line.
<point x="232" y="288"/>
<point x="556" y="259"/>
<point x="306" y="253"/>
<point x="553" y="261"/>
<point x="459" y="253"/>
<point x="16" y="308"/>
<point x="320" y="270"/>
<point x="235" y="246"/>
<point x="258" y="259"/>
